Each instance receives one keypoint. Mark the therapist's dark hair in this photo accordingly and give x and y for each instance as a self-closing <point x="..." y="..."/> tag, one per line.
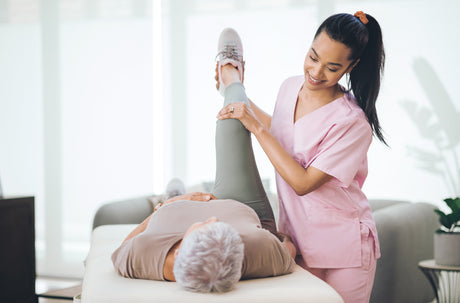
<point x="365" y="42"/>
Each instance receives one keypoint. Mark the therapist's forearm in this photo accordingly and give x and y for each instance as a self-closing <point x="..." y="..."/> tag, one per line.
<point x="302" y="181"/>
<point x="262" y="116"/>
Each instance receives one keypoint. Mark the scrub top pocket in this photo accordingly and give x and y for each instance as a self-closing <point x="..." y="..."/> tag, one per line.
<point x="331" y="238"/>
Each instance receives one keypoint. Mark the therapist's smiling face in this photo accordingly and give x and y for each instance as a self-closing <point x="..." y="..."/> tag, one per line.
<point x="326" y="63"/>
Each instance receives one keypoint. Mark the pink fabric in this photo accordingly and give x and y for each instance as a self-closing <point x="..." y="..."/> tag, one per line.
<point x="325" y="224"/>
<point x="354" y="284"/>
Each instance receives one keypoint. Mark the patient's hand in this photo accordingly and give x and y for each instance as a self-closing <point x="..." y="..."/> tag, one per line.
<point x="196" y="196"/>
<point x="288" y="242"/>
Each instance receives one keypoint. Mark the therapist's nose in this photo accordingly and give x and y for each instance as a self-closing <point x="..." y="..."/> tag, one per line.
<point x="317" y="72"/>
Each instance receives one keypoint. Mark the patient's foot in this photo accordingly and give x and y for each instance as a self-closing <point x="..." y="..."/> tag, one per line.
<point x="230" y="57"/>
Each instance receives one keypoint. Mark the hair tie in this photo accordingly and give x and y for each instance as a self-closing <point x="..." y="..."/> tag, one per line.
<point x="362" y="17"/>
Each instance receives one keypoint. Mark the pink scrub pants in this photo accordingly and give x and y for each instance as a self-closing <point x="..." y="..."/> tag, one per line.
<point x="354" y="284"/>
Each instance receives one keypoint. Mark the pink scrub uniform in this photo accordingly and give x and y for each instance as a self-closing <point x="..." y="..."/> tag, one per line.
<point x="332" y="227"/>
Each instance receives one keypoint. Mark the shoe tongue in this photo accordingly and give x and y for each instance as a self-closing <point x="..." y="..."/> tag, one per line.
<point x="230" y="52"/>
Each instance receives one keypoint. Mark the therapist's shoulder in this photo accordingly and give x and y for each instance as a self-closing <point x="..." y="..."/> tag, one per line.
<point x="351" y="114"/>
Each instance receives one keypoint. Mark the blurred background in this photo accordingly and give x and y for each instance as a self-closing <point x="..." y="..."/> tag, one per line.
<point x="109" y="99"/>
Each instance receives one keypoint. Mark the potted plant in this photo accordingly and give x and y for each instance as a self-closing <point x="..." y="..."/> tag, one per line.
<point x="447" y="238"/>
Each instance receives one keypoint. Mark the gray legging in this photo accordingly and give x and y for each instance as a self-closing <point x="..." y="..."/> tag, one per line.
<point x="237" y="176"/>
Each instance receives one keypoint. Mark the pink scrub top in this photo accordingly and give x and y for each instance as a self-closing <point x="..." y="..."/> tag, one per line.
<point x="327" y="224"/>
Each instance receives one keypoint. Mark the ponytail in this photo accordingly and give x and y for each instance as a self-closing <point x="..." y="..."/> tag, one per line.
<point x="365" y="42"/>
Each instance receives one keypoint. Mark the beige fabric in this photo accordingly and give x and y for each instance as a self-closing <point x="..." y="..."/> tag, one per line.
<point x="101" y="283"/>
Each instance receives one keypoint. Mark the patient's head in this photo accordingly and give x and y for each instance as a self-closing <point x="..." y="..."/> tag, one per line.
<point x="210" y="257"/>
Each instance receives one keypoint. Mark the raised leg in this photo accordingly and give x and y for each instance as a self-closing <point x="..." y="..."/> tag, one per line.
<point x="237" y="176"/>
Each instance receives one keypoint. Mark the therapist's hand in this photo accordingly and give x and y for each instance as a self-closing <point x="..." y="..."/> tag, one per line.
<point x="242" y="112"/>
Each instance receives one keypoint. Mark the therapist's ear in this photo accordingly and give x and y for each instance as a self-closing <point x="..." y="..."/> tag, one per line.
<point x="352" y="66"/>
<point x="176" y="252"/>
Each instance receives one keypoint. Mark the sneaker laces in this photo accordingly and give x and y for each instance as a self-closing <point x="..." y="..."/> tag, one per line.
<point x="230" y="51"/>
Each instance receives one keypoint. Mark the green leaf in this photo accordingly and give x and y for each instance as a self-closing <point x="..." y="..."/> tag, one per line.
<point x="444" y="219"/>
<point x="453" y="219"/>
<point x="453" y="204"/>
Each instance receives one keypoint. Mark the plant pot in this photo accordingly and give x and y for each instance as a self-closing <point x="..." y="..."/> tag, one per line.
<point x="447" y="248"/>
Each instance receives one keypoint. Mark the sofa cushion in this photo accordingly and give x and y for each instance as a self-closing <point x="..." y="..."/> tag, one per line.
<point x="377" y="204"/>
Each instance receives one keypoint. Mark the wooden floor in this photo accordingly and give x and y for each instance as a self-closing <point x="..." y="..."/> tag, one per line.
<point x="58" y="287"/>
<point x="45" y="300"/>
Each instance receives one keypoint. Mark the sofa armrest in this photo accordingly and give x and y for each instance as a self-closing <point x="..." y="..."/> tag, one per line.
<point x="405" y="231"/>
<point x="132" y="211"/>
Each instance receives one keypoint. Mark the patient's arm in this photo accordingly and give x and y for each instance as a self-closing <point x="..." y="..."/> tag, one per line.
<point x="286" y="240"/>
<point x="196" y="196"/>
<point x="140" y="228"/>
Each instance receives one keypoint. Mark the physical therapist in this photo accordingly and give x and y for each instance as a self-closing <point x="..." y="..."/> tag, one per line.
<point x="317" y="140"/>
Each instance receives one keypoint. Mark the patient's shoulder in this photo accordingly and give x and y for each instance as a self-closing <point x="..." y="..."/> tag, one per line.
<point x="265" y="255"/>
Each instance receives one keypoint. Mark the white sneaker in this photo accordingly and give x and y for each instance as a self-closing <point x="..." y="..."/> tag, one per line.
<point x="230" y="51"/>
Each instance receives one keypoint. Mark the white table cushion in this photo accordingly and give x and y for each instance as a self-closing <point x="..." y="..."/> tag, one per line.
<point x="102" y="284"/>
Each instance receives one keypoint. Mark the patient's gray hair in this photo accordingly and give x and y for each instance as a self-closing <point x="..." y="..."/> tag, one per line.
<point x="210" y="259"/>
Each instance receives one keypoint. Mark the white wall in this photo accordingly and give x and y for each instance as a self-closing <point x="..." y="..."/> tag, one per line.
<point x="106" y="103"/>
<point x="419" y="109"/>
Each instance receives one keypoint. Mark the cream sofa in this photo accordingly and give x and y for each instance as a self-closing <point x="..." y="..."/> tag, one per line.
<point x="406" y="237"/>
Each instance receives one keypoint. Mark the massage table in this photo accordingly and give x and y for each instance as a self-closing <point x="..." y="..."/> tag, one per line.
<point x="102" y="284"/>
